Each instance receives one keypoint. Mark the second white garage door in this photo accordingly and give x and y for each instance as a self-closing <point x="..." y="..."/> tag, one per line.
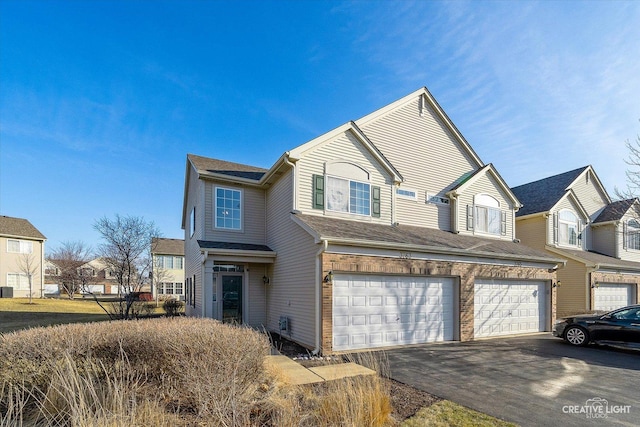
<point x="381" y="311"/>
<point x="609" y="296"/>
<point x="509" y="307"/>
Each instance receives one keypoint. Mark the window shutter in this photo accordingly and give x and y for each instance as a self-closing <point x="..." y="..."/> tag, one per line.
<point x="580" y="233"/>
<point x="375" y="202"/>
<point x="503" y="222"/>
<point x="555" y="228"/>
<point x="625" y="235"/>
<point x="469" y="217"/>
<point x="318" y="192"/>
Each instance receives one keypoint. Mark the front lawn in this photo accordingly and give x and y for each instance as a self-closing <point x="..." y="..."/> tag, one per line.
<point x="17" y="313"/>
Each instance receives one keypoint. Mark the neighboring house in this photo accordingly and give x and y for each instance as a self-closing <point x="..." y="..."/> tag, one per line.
<point x="385" y="231"/>
<point x="168" y="267"/>
<point x="20" y="242"/>
<point x="571" y="215"/>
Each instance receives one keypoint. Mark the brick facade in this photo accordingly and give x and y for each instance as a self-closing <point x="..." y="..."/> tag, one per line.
<point x="466" y="273"/>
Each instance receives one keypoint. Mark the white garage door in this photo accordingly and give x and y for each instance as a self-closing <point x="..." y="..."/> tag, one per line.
<point x="609" y="296"/>
<point x="509" y="307"/>
<point x="381" y="311"/>
<point x="94" y="289"/>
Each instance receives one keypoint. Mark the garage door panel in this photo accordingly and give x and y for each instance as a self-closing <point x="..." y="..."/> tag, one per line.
<point x="396" y="311"/>
<point x="509" y="307"/>
<point x="609" y="296"/>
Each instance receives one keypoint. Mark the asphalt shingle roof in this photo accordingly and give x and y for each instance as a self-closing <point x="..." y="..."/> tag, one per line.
<point x="207" y="244"/>
<point x="168" y="246"/>
<point x="431" y="239"/>
<point x="598" y="258"/>
<point x="19" y="227"/>
<point x="205" y="164"/>
<point x="541" y="195"/>
<point x="614" y="211"/>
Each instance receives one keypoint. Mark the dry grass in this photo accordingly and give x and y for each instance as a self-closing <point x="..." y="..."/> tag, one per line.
<point x="168" y="372"/>
<point x="449" y="414"/>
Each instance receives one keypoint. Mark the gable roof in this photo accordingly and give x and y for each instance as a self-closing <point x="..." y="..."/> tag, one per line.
<point x="615" y="211"/>
<point x="466" y="182"/>
<point x="299" y="151"/>
<point x="542" y="195"/>
<point x="426" y="99"/>
<point x="161" y="245"/>
<point x="424" y="239"/>
<point x="19" y="227"/>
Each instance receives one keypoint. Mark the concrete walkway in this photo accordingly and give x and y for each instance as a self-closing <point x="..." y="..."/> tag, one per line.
<point x="296" y="374"/>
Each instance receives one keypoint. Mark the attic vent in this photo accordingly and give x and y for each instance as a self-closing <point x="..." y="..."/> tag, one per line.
<point x="421" y="105"/>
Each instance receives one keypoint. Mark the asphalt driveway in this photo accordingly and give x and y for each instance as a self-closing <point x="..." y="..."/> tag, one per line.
<point x="532" y="381"/>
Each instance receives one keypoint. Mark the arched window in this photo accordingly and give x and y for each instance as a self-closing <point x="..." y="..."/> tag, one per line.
<point x="488" y="217"/>
<point x="633" y="234"/>
<point x="567" y="228"/>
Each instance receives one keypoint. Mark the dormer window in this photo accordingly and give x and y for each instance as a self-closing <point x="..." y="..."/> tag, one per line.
<point x="633" y="234"/>
<point x="486" y="217"/>
<point x="568" y="227"/>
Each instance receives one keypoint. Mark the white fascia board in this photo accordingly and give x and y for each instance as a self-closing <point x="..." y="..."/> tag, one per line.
<point x="305" y="227"/>
<point x="298" y="152"/>
<point x="16" y="236"/>
<point x="533" y="215"/>
<point x="483" y="172"/>
<point x="432" y="256"/>
<point x="239" y="253"/>
<point x="594" y="175"/>
<point x="560" y="252"/>
<point x="571" y="194"/>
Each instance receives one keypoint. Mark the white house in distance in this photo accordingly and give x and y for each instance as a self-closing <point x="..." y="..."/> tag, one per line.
<point x="168" y="267"/>
<point x="388" y="230"/>
<point x="19" y="241"/>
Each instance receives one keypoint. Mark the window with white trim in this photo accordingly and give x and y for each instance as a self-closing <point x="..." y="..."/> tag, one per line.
<point x="19" y="246"/>
<point x="344" y="195"/>
<point x="18" y="281"/>
<point x="487" y="216"/>
<point x="567" y="228"/>
<point x="192" y="226"/>
<point x="633" y="234"/>
<point x="169" y="262"/>
<point x="228" y="208"/>
<point x="407" y="193"/>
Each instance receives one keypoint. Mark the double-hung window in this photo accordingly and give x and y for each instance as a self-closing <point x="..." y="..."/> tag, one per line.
<point x="228" y="208"/>
<point x="18" y="281"/>
<point x="19" y="246"/>
<point x="633" y="234"/>
<point x="485" y="216"/>
<point x="567" y="228"/>
<point x="344" y="195"/>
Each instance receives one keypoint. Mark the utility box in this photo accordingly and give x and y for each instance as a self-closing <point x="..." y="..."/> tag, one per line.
<point x="6" y="291"/>
<point x="284" y="324"/>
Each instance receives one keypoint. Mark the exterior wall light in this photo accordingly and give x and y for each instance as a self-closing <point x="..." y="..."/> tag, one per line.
<point x="328" y="278"/>
<point x="557" y="284"/>
<point x="265" y="280"/>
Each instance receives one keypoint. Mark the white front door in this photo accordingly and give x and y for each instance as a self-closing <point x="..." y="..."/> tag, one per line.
<point x="509" y="307"/>
<point x="380" y="311"/>
<point x="609" y="296"/>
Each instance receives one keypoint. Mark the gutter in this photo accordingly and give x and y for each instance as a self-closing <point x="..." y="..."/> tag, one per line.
<point x="285" y="159"/>
<point x="318" y="345"/>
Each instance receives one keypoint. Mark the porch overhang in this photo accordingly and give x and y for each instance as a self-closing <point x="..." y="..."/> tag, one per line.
<point x="236" y="252"/>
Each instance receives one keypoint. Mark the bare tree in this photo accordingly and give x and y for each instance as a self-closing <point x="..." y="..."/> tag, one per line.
<point x="633" y="173"/>
<point x="29" y="265"/>
<point x="70" y="258"/>
<point x="126" y="250"/>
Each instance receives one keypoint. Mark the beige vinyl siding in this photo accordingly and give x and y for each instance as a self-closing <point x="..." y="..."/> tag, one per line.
<point x="572" y="294"/>
<point x="484" y="185"/>
<point x="257" y="298"/>
<point x="192" y="255"/>
<point x="252" y="215"/>
<point x="603" y="240"/>
<point x="590" y="195"/>
<point x="291" y="291"/>
<point x="347" y="148"/>
<point x="531" y="231"/>
<point x="427" y="156"/>
<point x="626" y="254"/>
<point x="9" y="263"/>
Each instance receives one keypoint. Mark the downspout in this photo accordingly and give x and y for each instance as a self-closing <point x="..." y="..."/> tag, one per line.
<point x="589" y="301"/>
<point x="203" y="269"/>
<point x="323" y="247"/>
<point x="616" y="240"/>
<point x="455" y="226"/>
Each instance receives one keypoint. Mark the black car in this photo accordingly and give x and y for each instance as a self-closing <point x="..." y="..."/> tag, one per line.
<point x="618" y="327"/>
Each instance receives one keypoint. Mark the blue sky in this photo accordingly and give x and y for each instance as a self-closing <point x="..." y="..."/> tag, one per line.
<point x="101" y="101"/>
